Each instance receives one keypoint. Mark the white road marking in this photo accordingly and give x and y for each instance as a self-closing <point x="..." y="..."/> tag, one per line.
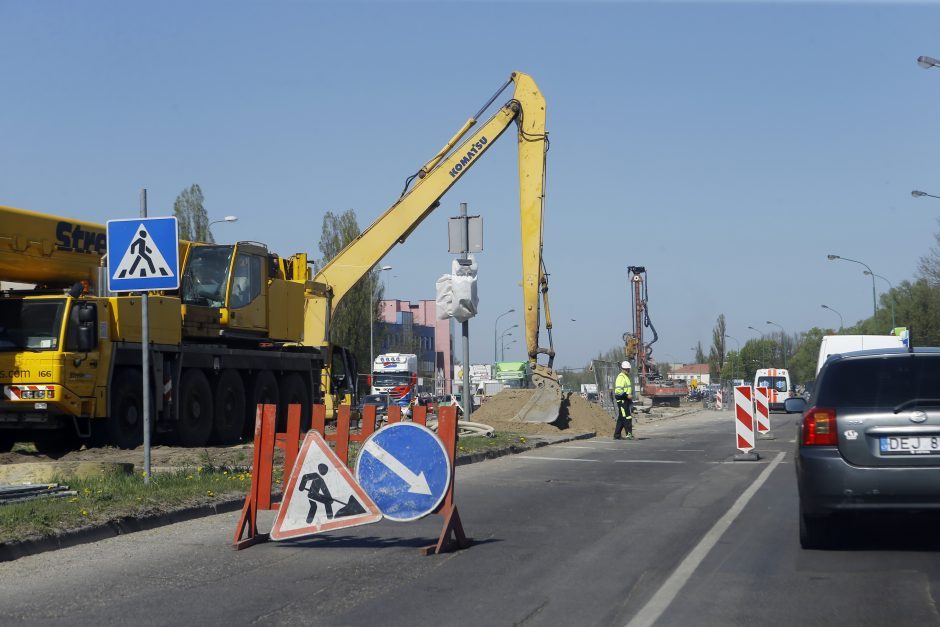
<point x="690" y="450"/>
<point x="646" y="461"/>
<point x="557" y="459"/>
<point x="655" y="607"/>
<point x="590" y="448"/>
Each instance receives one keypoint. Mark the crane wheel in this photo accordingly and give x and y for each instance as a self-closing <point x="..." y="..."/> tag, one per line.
<point x="294" y="392"/>
<point x="230" y="402"/>
<point x="124" y="427"/>
<point x="264" y="391"/>
<point x="196" y="412"/>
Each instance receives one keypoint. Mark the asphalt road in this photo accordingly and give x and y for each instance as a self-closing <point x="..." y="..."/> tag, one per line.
<point x="664" y="530"/>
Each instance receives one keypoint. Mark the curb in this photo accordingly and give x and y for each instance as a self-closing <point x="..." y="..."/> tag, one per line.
<point x="15" y="550"/>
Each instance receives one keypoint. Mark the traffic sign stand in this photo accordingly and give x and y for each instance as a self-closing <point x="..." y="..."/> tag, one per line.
<point x="762" y="413"/>
<point x="744" y="424"/>
<point x="452" y="535"/>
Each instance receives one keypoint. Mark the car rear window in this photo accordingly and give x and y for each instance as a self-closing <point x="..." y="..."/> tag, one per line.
<point x="879" y="381"/>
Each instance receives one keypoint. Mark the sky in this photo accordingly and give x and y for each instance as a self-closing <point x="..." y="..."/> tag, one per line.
<point x="727" y="147"/>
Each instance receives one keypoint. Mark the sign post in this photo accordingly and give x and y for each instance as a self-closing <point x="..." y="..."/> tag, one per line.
<point x="146" y="251"/>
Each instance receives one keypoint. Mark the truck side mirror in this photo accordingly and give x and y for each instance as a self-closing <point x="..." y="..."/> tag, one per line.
<point x="87" y="338"/>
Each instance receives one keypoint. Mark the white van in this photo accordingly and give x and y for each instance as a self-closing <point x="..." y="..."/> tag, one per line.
<point x="778" y="382"/>
<point x="837" y="344"/>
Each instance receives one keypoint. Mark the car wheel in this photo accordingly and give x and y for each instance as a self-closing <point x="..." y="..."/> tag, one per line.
<point x="194" y="425"/>
<point x="229" y="397"/>
<point x="815" y="531"/>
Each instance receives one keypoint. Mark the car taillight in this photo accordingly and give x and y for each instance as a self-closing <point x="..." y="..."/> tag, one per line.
<point x="819" y="427"/>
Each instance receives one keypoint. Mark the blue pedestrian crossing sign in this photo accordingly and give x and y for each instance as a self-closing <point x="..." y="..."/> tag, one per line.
<point x="405" y="470"/>
<point x="143" y="255"/>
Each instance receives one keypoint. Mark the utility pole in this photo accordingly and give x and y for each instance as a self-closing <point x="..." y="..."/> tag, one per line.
<point x="145" y="355"/>
<point x="465" y="326"/>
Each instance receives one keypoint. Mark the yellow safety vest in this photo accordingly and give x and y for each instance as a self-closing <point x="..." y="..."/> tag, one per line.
<point x="623" y="385"/>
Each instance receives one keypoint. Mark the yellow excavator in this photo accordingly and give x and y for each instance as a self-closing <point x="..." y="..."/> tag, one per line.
<point x="526" y="108"/>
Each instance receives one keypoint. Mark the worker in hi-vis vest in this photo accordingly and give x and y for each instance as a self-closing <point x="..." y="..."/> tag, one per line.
<point x="623" y="394"/>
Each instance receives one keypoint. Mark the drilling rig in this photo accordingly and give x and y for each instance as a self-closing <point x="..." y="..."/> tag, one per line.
<point x="640" y="352"/>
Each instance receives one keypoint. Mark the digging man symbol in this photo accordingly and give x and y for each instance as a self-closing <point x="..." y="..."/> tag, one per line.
<point x="317" y="492"/>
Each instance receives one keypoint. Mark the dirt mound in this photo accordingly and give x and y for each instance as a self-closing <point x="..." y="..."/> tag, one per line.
<point x="576" y="416"/>
<point x="160" y="456"/>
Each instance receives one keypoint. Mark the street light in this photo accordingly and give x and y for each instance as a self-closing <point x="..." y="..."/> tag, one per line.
<point x="739" y="352"/>
<point x="783" y="342"/>
<point x="372" y="316"/>
<point x="495" y="342"/>
<point x="893" y="325"/>
<point x="927" y="62"/>
<point x="836" y="313"/>
<point x="763" y="356"/>
<point x="874" y="305"/>
<point x="917" y="194"/>
<point x="502" y="336"/>
<point x="225" y="219"/>
<point x="504" y="348"/>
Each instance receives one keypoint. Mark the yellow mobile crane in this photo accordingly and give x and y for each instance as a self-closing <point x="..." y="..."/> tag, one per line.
<point x="70" y="359"/>
<point x="526" y="109"/>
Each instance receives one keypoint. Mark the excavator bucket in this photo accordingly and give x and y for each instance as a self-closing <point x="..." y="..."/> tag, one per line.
<point x="545" y="403"/>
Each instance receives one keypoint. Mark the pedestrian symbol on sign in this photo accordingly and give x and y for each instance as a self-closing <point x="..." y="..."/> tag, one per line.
<point x="140" y="251"/>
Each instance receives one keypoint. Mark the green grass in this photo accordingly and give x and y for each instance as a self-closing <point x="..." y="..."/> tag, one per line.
<point x="118" y="496"/>
<point x="476" y="444"/>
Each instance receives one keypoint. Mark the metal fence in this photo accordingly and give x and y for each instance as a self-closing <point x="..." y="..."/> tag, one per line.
<point x="605" y="374"/>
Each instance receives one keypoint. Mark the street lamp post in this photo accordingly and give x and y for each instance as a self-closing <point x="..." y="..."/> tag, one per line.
<point x="763" y="356"/>
<point x="225" y="219"/>
<point x="372" y="316"/>
<point x="495" y="341"/>
<point x="917" y="194"/>
<point x="841" y="324"/>
<point x="874" y="305"/>
<point x="502" y="336"/>
<point x="893" y="325"/>
<point x="510" y="346"/>
<point x="783" y="343"/>
<point x="739" y="352"/>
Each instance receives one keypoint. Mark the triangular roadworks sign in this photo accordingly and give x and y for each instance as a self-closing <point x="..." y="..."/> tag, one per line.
<point x="321" y="495"/>
<point x="142" y="258"/>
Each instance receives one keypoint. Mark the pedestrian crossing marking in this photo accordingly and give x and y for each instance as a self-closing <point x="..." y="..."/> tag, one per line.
<point x="142" y="259"/>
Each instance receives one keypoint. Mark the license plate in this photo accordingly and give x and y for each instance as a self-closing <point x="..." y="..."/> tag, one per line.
<point x="910" y="445"/>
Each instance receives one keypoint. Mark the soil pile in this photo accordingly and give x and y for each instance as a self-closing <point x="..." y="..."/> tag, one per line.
<point x="576" y="416"/>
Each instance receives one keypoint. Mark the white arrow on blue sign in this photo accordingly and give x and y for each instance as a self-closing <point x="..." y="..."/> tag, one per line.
<point x="405" y="470"/>
<point x="143" y="255"/>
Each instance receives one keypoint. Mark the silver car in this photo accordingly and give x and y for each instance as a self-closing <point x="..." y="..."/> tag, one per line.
<point x="869" y="439"/>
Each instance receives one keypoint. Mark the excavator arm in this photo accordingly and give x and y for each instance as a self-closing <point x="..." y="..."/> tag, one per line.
<point x="526" y="109"/>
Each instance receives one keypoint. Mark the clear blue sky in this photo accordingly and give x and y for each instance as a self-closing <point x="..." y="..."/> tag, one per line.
<point x="727" y="147"/>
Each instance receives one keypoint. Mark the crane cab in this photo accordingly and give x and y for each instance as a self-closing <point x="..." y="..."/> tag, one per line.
<point x="240" y="291"/>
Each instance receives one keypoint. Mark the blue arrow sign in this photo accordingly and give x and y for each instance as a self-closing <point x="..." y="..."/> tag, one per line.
<point x="143" y="255"/>
<point x="405" y="470"/>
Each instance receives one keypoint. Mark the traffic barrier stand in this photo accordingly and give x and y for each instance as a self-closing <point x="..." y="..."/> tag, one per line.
<point x="744" y="424"/>
<point x="260" y="496"/>
<point x="762" y="413"/>
<point x="262" y="470"/>
<point x="718" y="401"/>
<point x="452" y="535"/>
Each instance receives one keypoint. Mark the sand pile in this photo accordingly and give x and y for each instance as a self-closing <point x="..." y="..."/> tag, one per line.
<point x="576" y="415"/>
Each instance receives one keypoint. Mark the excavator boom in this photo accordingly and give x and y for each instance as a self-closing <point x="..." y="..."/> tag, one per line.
<point x="337" y="277"/>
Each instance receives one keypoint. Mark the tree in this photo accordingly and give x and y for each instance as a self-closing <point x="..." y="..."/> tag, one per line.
<point x="804" y="359"/>
<point x="191" y="215"/>
<point x="929" y="268"/>
<point x="716" y="355"/>
<point x="350" y="324"/>
<point x="699" y="353"/>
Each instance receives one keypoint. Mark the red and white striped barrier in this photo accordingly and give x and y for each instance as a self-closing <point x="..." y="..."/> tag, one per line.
<point x="762" y="409"/>
<point x="743" y="418"/>
<point x="718" y="402"/>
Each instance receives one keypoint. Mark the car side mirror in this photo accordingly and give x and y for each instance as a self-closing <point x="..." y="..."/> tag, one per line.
<point x="794" y="405"/>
